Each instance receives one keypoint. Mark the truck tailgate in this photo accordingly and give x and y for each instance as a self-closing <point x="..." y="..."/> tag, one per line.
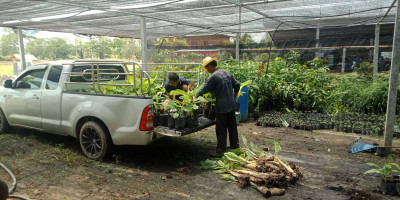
<point x="203" y="123"/>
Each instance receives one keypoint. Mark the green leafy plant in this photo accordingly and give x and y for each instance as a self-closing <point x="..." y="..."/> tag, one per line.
<point x="365" y="69"/>
<point x="383" y="171"/>
<point x="187" y="103"/>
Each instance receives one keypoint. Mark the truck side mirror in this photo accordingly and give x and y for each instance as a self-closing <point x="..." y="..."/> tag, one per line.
<point x="7" y="83"/>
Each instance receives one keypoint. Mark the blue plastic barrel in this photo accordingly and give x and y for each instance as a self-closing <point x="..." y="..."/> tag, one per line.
<point x="244" y="104"/>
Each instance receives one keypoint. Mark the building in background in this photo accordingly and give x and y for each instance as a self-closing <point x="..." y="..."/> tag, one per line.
<point x="207" y="45"/>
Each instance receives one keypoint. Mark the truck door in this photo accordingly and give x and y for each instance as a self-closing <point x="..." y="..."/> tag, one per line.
<point x="23" y="99"/>
<point x="51" y="100"/>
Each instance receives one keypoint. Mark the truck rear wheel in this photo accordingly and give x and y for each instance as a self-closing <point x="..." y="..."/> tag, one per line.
<point x="4" y="126"/>
<point x="94" y="140"/>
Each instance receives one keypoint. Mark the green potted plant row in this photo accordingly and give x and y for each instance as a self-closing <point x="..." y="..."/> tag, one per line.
<point x="389" y="174"/>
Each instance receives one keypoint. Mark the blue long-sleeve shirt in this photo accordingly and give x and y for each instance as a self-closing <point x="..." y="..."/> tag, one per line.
<point x="221" y="84"/>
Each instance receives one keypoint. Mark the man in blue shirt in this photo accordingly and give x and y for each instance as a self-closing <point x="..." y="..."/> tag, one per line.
<point x="224" y="87"/>
<point x="175" y="82"/>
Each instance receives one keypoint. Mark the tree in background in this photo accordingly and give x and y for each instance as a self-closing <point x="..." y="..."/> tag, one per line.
<point x="37" y="48"/>
<point x="98" y="47"/>
<point x="131" y="49"/>
<point x="53" y="48"/>
<point x="246" y="39"/>
<point x="78" y="45"/>
<point x="8" y="43"/>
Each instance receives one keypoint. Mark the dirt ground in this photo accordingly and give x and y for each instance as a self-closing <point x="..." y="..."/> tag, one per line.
<point x="52" y="167"/>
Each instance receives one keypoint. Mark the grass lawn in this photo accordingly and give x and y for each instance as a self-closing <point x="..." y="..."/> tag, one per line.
<point x="6" y="70"/>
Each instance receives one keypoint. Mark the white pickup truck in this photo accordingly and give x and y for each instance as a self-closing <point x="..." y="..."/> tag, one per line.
<point x="48" y="97"/>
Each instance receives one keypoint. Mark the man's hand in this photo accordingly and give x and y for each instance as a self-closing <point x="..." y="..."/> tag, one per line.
<point x="235" y="94"/>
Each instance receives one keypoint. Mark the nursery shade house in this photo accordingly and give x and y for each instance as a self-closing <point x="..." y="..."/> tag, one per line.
<point x="172" y="18"/>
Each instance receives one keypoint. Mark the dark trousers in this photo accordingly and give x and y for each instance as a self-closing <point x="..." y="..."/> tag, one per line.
<point x="226" y="122"/>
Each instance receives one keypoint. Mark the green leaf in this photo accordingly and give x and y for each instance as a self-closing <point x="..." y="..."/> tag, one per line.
<point x="237" y="151"/>
<point x="372" y="171"/>
<point x="234" y="158"/>
<point x="208" y="164"/>
<point x="277" y="147"/>
<point x="254" y="148"/>
<point x="244" y="140"/>
<point x="228" y="177"/>
<point x="372" y="165"/>
<point x="175" y="115"/>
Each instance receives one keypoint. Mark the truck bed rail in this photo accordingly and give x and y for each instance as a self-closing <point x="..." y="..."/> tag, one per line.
<point x="97" y="77"/>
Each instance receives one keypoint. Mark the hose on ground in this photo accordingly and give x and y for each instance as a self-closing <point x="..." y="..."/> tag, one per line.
<point x="14" y="184"/>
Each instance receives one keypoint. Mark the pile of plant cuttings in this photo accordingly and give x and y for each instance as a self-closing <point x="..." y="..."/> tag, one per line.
<point x="252" y="167"/>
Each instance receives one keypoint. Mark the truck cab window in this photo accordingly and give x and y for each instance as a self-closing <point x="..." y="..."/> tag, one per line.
<point x="53" y="77"/>
<point x="31" y="79"/>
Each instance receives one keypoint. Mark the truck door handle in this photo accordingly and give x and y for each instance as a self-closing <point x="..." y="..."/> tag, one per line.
<point x="35" y="97"/>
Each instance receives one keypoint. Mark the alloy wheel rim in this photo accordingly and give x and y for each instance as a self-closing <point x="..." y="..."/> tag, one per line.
<point x="91" y="141"/>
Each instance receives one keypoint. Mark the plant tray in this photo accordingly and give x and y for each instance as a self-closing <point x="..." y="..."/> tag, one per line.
<point x="203" y="123"/>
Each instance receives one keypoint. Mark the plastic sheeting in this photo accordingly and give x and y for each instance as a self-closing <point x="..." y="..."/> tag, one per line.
<point x="120" y="18"/>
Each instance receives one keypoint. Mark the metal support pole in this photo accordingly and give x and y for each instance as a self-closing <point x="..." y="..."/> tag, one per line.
<point x="376" y="49"/>
<point x="238" y="35"/>
<point x="393" y="84"/>
<point x="317" y="43"/>
<point x="272" y="41"/>
<point x="143" y="38"/>
<point x="343" y="60"/>
<point x="21" y="48"/>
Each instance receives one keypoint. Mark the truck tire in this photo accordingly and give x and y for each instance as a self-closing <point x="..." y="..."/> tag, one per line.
<point x="3" y="190"/>
<point x="94" y="140"/>
<point x="4" y="126"/>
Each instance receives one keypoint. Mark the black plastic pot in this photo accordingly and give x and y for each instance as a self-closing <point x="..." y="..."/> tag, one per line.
<point x="164" y="120"/>
<point x="206" y="112"/>
<point x="256" y="115"/>
<point x="180" y="123"/>
<point x="212" y="114"/>
<point x="398" y="187"/>
<point x="263" y="124"/>
<point x="389" y="187"/>
<point x="192" y="122"/>
<point x="157" y="120"/>
<point x="171" y="122"/>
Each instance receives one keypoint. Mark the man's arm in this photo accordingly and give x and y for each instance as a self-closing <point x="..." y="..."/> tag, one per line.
<point x="185" y="88"/>
<point x="235" y="84"/>
<point x="207" y="87"/>
<point x="184" y="83"/>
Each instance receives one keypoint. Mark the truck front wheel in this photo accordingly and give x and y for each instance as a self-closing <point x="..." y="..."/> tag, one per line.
<point x="95" y="141"/>
<point x="4" y="126"/>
